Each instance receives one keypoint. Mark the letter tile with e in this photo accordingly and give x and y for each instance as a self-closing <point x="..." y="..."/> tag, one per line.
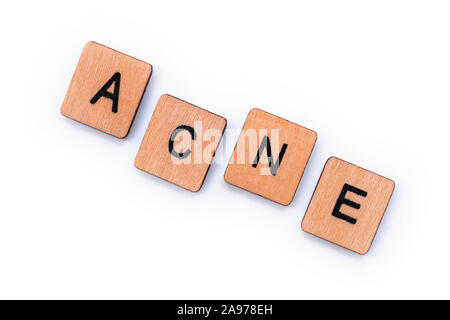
<point x="106" y="89"/>
<point x="270" y="156"/>
<point x="348" y="205"/>
<point x="180" y="142"/>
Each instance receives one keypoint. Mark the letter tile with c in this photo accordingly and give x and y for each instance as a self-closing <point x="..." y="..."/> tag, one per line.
<point x="180" y="142"/>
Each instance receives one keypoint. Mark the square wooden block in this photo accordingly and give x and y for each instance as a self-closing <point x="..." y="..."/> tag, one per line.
<point x="270" y="156"/>
<point x="180" y="142"/>
<point x="348" y="205"/>
<point x="106" y="89"/>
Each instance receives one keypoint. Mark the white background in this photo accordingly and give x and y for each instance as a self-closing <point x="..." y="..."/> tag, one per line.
<point x="77" y="220"/>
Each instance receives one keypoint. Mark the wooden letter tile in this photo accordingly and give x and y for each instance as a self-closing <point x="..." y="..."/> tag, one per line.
<point x="270" y="156"/>
<point x="348" y="205"/>
<point x="180" y="143"/>
<point x="106" y="89"/>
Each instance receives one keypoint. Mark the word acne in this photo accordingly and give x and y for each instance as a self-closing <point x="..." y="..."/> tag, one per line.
<point x="269" y="157"/>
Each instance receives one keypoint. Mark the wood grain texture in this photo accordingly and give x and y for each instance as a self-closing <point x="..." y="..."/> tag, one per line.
<point x="96" y="66"/>
<point x="280" y="188"/>
<point x="154" y="157"/>
<point x="319" y="220"/>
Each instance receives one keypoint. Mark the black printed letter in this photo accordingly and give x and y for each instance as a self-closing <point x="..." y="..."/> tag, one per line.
<point x="103" y="92"/>
<point x="342" y="200"/>
<point x="265" y="143"/>
<point x="185" y="154"/>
